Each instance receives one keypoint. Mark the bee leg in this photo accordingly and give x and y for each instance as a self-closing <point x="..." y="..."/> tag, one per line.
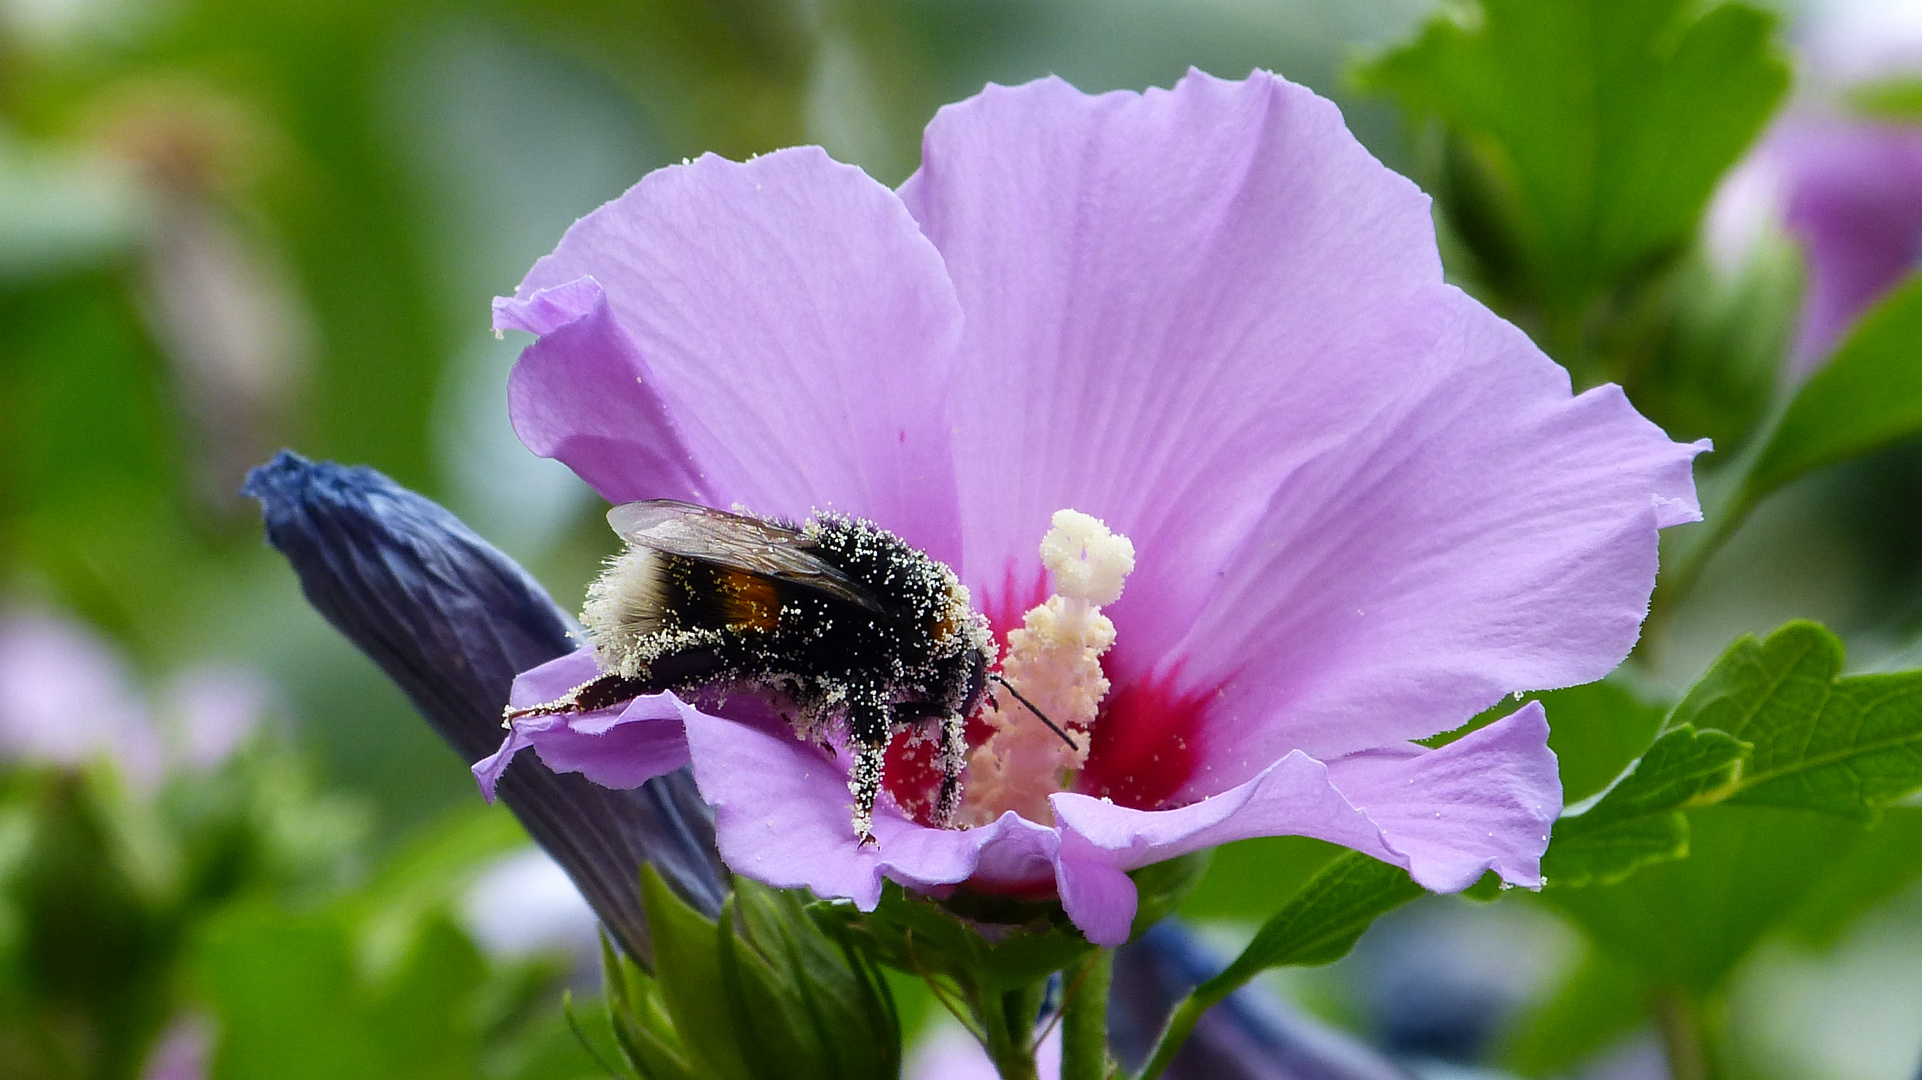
<point x="601" y="693"/>
<point x="868" y="731"/>
<point x="954" y="758"/>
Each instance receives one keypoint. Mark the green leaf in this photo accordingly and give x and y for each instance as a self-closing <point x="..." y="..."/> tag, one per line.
<point x="1686" y="924"/>
<point x="1639" y="820"/>
<point x="1890" y="99"/>
<point x="1867" y="396"/>
<point x="1319" y="924"/>
<point x="1886" y="861"/>
<point x="1844" y="746"/>
<point x="1597" y="731"/>
<point x="1593" y="130"/>
<point x="290" y="1001"/>
<point x="1598" y="1002"/>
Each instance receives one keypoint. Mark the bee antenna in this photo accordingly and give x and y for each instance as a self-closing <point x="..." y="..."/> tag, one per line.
<point x="1009" y="687"/>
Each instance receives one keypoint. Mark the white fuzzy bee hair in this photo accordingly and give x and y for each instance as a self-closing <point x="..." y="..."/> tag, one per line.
<point x="624" y="610"/>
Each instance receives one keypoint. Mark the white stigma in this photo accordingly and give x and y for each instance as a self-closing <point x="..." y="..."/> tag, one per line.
<point x="1053" y="661"/>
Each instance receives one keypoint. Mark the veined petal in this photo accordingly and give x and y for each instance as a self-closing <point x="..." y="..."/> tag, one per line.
<point x="620" y="747"/>
<point x="1173" y="299"/>
<point x="1485" y="801"/>
<point x="796" y="323"/>
<point x="1101" y="841"/>
<point x="781" y="817"/>
<point x="583" y="395"/>
<point x="1483" y="533"/>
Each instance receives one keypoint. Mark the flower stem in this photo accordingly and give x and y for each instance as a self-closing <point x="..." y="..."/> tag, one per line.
<point x="1687" y="1038"/>
<point x="1008" y="1019"/>
<point x="1084" y="1019"/>
<point x="1181" y="1023"/>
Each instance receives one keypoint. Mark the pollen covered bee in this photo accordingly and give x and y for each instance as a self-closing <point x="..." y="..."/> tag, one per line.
<point x="842" y="626"/>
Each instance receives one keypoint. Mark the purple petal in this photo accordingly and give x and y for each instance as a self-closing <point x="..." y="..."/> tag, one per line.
<point x="781" y="816"/>
<point x="794" y="320"/>
<point x="1100" y="840"/>
<point x="620" y="747"/>
<point x="1173" y="299"/>
<point x="553" y="680"/>
<point x="583" y="394"/>
<point x="1484" y="532"/>
<point x="1495" y="792"/>
<point x="1483" y="802"/>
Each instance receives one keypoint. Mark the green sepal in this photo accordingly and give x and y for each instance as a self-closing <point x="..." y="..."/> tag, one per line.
<point x="765" y="992"/>
<point x="1033" y="939"/>
<point x="687" y="970"/>
<point x="642" y="1028"/>
<point x="810" y="1004"/>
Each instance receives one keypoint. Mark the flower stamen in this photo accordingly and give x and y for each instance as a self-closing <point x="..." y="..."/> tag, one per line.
<point x="1053" y="669"/>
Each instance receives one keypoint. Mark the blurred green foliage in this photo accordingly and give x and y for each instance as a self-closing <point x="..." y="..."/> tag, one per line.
<point x="1581" y="140"/>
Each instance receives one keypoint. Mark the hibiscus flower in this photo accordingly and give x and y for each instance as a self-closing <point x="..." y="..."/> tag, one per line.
<point x="1360" y="508"/>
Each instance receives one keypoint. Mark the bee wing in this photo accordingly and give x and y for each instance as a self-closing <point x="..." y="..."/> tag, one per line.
<point x="734" y="541"/>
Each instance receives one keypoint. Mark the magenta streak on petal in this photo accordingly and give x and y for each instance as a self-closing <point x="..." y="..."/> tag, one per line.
<point x="1147" y="740"/>
<point x="583" y="394"/>
<point x="799" y="327"/>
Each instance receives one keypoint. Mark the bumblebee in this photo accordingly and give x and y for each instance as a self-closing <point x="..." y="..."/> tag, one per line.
<point x="842" y="626"/>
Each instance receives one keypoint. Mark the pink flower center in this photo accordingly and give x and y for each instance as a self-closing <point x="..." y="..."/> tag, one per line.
<point x="1146" y="742"/>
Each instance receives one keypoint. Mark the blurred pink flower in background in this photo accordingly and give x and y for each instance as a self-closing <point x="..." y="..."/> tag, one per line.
<point x="1848" y="192"/>
<point x="68" y="698"/>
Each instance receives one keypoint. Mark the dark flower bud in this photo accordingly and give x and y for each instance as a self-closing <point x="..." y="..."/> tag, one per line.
<point x="452" y="621"/>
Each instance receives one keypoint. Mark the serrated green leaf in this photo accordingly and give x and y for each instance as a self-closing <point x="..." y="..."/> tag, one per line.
<point x="1639" y="819"/>
<point x="1597" y="731"/>
<point x="1842" y="746"/>
<point x="1595" y="129"/>
<point x="1866" y="396"/>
